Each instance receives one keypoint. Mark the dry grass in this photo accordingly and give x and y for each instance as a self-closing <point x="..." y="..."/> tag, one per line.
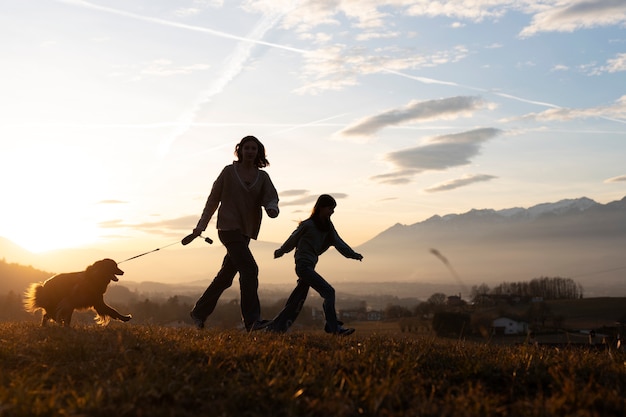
<point x="128" y="370"/>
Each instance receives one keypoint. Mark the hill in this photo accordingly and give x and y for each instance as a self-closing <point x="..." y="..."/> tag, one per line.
<point x="127" y="370"/>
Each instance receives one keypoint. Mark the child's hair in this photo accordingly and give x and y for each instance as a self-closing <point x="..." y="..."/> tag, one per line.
<point x="323" y="200"/>
<point x="260" y="161"/>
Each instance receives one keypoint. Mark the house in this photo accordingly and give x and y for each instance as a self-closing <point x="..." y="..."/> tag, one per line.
<point x="506" y="326"/>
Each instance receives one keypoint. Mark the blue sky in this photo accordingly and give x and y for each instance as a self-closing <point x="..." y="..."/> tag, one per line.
<point x="116" y="116"/>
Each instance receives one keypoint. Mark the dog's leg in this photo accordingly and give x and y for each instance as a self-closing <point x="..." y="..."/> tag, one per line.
<point x="67" y="317"/>
<point x="44" y="319"/>
<point x="104" y="310"/>
<point x="64" y="312"/>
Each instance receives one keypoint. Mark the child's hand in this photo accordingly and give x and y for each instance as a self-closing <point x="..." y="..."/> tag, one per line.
<point x="278" y="253"/>
<point x="358" y="257"/>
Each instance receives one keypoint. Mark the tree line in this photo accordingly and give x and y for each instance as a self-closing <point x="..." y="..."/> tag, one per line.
<point x="546" y="288"/>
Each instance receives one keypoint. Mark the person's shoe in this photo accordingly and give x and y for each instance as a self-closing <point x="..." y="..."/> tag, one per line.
<point x="259" y="325"/>
<point x="197" y="321"/>
<point x="344" y="331"/>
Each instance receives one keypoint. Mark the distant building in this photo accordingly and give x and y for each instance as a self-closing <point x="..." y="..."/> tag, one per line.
<point x="507" y="326"/>
<point x="455" y="301"/>
<point x="374" y="315"/>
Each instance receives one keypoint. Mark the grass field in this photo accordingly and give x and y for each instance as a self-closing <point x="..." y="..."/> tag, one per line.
<point x="131" y="370"/>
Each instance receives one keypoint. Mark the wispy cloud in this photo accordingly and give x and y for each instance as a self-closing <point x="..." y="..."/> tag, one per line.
<point x="617" y="64"/>
<point x="175" y="224"/>
<point x="620" y="178"/>
<point x="335" y="67"/>
<point x="565" y="16"/>
<point x="573" y="15"/>
<point x="318" y="122"/>
<point x="304" y="197"/>
<point x="615" y="112"/>
<point x="441" y="109"/>
<point x="166" y="68"/>
<point x="459" y="182"/>
<point x="112" y="202"/>
<point x="438" y="154"/>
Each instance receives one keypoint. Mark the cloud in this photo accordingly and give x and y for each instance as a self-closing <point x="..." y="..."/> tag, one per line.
<point x="292" y="193"/>
<point x="447" y="108"/>
<point x="112" y="202"/>
<point x="475" y="11"/>
<point x="335" y="67"/>
<point x="396" y="178"/>
<point x="371" y="14"/>
<point x="617" y="64"/>
<point x="459" y="182"/>
<point x="561" y="16"/>
<point x="176" y="224"/>
<point x="362" y="14"/>
<point x="574" y="15"/>
<point x="559" y="67"/>
<point x="620" y="178"/>
<point x="303" y="197"/>
<point x="615" y="112"/>
<point x="438" y="154"/>
<point x="164" y="68"/>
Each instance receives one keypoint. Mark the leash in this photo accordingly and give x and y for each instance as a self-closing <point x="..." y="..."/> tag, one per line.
<point x="206" y="239"/>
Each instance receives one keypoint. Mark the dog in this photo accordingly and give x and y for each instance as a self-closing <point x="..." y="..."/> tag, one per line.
<point x="63" y="293"/>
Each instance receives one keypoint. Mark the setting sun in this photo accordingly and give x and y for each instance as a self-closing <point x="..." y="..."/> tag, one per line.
<point x="56" y="195"/>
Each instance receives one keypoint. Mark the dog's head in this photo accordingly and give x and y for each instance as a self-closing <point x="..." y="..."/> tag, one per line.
<point x="106" y="267"/>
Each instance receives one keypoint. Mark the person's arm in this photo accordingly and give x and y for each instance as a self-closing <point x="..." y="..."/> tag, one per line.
<point x="342" y="247"/>
<point x="291" y="242"/>
<point x="212" y="202"/>
<point x="270" y="197"/>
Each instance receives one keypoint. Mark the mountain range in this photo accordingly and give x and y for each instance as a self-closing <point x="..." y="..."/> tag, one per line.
<point x="574" y="238"/>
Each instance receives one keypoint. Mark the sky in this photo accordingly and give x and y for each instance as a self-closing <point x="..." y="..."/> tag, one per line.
<point x="117" y="116"/>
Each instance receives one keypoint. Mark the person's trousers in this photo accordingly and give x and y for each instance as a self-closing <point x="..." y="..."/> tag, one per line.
<point x="307" y="278"/>
<point x="238" y="259"/>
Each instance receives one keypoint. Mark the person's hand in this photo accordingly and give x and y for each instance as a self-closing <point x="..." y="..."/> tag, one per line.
<point x="278" y="253"/>
<point x="358" y="257"/>
<point x="272" y="213"/>
<point x="189" y="238"/>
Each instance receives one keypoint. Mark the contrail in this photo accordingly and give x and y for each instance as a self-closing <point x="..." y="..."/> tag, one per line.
<point x="426" y="80"/>
<point x="523" y="100"/>
<point x="313" y="123"/>
<point x="234" y="65"/>
<point x="504" y="95"/>
<point x="85" y="4"/>
<point x="484" y="90"/>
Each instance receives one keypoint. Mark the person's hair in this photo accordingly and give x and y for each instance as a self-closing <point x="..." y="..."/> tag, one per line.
<point x="260" y="161"/>
<point x="323" y="200"/>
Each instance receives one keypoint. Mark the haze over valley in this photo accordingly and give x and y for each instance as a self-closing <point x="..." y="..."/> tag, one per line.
<point x="576" y="238"/>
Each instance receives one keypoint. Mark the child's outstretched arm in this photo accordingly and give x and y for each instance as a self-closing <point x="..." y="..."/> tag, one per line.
<point x="344" y="248"/>
<point x="290" y="243"/>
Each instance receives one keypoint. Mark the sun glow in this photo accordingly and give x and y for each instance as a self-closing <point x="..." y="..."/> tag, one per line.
<point x="56" y="204"/>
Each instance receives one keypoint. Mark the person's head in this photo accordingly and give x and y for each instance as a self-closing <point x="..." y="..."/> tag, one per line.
<point x="324" y="207"/>
<point x="248" y="146"/>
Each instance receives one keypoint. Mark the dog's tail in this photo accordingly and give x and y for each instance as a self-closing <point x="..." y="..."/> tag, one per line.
<point x="32" y="297"/>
